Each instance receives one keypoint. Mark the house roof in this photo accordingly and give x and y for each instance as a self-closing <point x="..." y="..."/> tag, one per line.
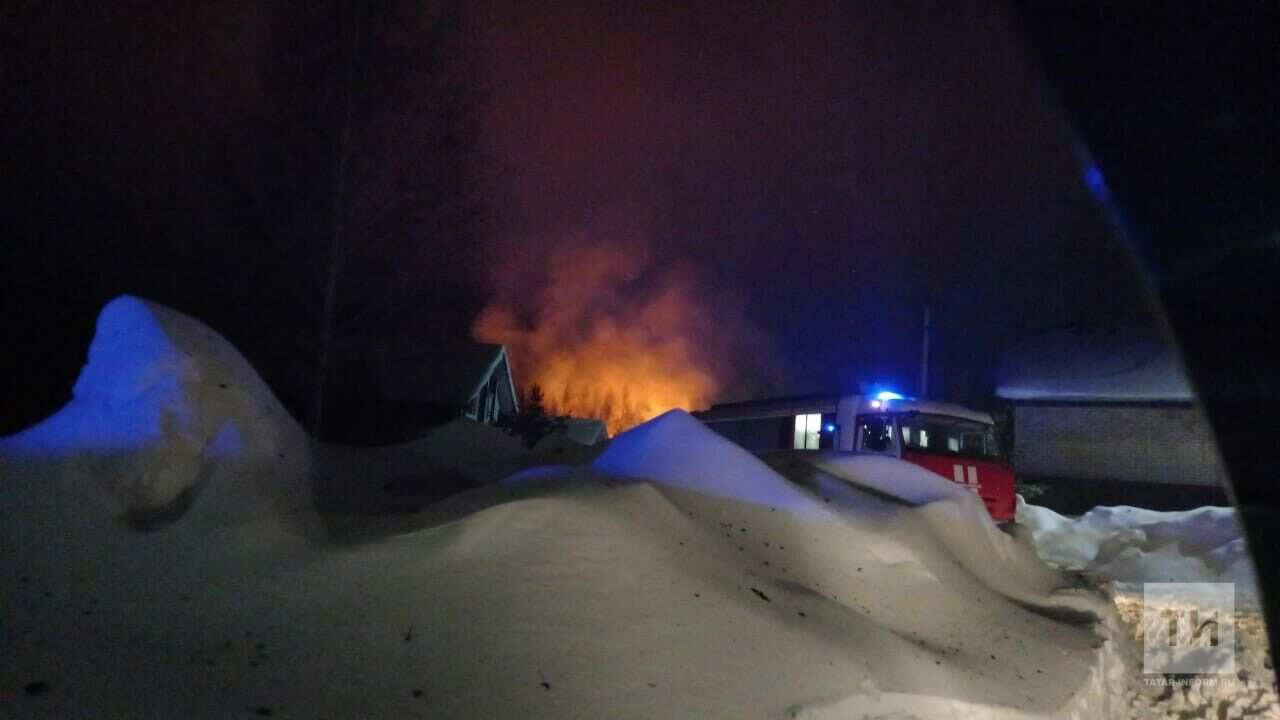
<point x="587" y="431"/>
<point x="1093" y="364"/>
<point x="443" y="373"/>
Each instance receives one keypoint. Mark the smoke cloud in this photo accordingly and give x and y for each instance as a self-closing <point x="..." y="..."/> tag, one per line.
<point x="612" y="333"/>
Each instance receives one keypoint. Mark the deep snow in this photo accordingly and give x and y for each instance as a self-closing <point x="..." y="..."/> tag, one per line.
<point x="674" y="576"/>
<point x="1131" y="546"/>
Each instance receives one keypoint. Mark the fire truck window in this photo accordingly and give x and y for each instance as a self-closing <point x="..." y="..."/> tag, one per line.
<point x="972" y="443"/>
<point x="876" y="432"/>
<point x="945" y="435"/>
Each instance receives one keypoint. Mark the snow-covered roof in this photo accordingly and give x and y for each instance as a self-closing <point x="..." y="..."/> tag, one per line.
<point x="1099" y="364"/>
<point x="587" y="431"/>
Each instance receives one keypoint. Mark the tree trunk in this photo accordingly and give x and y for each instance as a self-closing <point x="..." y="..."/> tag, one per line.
<point x="337" y="231"/>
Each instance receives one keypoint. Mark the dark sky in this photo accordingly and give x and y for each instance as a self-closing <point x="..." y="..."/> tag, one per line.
<point x="736" y="197"/>
<point x="825" y="168"/>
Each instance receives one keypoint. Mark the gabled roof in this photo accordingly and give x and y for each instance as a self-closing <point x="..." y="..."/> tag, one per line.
<point x="443" y="373"/>
<point x="1093" y="364"/>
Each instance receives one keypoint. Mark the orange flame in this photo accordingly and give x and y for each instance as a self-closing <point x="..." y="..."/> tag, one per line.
<point x="603" y="344"/>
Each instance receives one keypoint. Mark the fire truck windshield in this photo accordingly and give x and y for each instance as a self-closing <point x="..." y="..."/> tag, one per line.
<point x="946" y="435"/>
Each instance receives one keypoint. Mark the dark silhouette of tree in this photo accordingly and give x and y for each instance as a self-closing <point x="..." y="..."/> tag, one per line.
<point x="532" y="422"/>
<point x="375" y="117"/>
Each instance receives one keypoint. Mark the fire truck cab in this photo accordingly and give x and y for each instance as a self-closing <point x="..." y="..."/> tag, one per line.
<point x="950" y="440"/>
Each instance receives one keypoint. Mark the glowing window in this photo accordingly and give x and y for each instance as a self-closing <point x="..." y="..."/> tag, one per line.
<point x="808" y="430"/>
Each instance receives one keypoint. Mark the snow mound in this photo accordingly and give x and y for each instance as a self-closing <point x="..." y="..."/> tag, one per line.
<point x="562" y="592"/>
<point x="457" y="456"/>
<point x="162" y="401"/>
<point x="676" y="449"/>
<point x="892" y="476"/>
<point x="481" y="452"/>
<point x="955" y="517"/>
<point x="1132" y="545"/>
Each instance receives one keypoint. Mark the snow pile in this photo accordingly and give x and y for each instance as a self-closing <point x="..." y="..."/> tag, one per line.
<point x="1132" y="545"/>
<point x="162" y="402"/>
<point x="878" y="539"/>
<point x="454" y="457"/>
<point x="677" y="449"/>
<point x="480" y="452"/>
<point x="894" y="477"/>
<point x="953" y="515"/>
<point x="662" y="580"/>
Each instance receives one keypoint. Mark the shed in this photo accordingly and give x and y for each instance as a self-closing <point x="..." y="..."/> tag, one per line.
<point x="1109" y="412"/>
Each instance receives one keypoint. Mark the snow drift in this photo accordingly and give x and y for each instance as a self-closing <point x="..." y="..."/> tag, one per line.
<point x="677" y="450"/>
<point x="1132" y="545"/>
<point x="162" y="403"/>
<point x="675" y="575"/>
<point x="457" y="456"/>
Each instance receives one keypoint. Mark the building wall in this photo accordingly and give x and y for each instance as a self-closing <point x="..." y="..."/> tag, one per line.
<point x="757" y="434"/>
<point x="1131" y="443"/>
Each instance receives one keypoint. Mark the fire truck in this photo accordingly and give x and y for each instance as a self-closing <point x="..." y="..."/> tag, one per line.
<point x="950" y="440"/>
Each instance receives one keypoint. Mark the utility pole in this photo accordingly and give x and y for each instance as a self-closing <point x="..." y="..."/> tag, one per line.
<point x="924" y="355"/>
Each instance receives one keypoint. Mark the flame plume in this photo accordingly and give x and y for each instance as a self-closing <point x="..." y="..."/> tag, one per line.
<point x="611" y="336"/>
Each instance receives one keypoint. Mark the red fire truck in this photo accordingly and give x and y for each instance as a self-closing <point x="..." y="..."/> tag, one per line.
<point x="953" y="441"/>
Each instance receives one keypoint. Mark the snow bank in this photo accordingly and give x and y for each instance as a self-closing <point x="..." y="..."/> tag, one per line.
<point x="481" y="452"/>
<point x="677" y="576"/>
<point x="894" y="477"/>
<point x="457" y="456"/>
<point x="161" y="403"/>
<point x="953" y="515"/>
<point x="677" y="449"/>
<point x="1132" y="545"/>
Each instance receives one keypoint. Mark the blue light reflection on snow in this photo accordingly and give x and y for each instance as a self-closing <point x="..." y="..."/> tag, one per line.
<point x="227" y="444"/>
<point x="125" y="395"/>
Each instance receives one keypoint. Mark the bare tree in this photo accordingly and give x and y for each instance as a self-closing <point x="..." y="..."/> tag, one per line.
<point x="376" y="114"/>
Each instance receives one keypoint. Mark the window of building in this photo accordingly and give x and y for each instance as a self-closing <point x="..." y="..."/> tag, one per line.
<point x="808" y="431"/>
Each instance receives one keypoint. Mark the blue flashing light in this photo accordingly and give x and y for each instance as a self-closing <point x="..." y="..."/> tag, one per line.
<point x="888" y="395"/>
<point x="830" y="427"/>
<point x="1096" y="183"/>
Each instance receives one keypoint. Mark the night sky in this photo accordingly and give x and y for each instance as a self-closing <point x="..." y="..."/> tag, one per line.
<point x="820" y="169"/>
<point x="763" y="193"/>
